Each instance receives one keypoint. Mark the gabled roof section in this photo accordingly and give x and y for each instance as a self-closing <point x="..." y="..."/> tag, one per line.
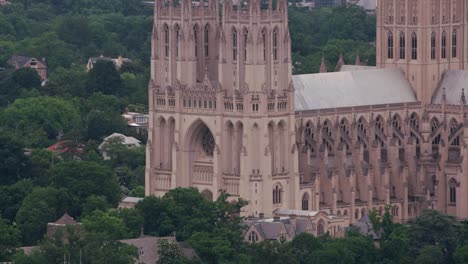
<point x="453" y="81"/>
<point x="66" y="219"/>
<point x="20" y="61"/>
<point x="353" y="88"/>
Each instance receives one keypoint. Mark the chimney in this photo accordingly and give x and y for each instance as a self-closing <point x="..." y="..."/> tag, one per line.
<point x="323" y="65"/>
<point x="358" y="60"/>
<point x="119" y="61"/>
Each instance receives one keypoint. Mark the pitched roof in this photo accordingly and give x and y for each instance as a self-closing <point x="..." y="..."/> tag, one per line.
<point x="453" y="81"/>
<point x="22" y="60"/>
<point x="354" y="88"/>
<point x="66" y="220"/>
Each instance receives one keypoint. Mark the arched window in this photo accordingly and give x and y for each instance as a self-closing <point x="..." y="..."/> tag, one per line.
<point x="166" y="40"/>
<point x="264" y="40"/>
<point x="390" y="45"/>
<point x="433" y="46"/>
<point x="207" y="41"/>
<point x="454" y="44"/>
<point x="434" y="127"/>
<point x="245" y="39"/>
<point x="453" y="131"/>
<point x="402" y="46"/>
<point x="453" y="191"/>
<point x="305" y="201"/>
<point x="234" y="45"/>
<point x="443" y="52"/>
<point x="253" y="237"/>
<point x="195" y="39"/>
<point x="177" y="40"/>
<point x="275" y="44"/>
<point x="414" y="46"/>
<point x="321" y="228"/>
<point x="277" y="193"/>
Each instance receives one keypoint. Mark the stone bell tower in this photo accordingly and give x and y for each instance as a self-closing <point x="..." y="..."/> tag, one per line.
<point x="424" y="38"/>
<point x="222" y="104"/>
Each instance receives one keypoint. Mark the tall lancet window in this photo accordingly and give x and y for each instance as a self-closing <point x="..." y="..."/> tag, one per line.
<point x="166" y="40"/>
<point x="414" y="46"/>
<point x="234" y="45"/>
<point x="275" y="44"/>
<point x="207" y="41"/>
<point x="264" y="40"/>
<point x="452" y="191"/>
<point x="177" y="40"/>
<point x="443" y="52"/>
<point x="390" y="45"/>
<point x="195" y="39"/>
<point x="454" y="44"/>
<point x="433" y="46"/>
<point x="245" y="39"/>
<point x="402" y="46"/>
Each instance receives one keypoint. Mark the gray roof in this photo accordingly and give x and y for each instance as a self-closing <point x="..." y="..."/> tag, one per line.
<point x="368" y="4"/>
<point x="354" y="88"/>
<point x="453" y="81"/>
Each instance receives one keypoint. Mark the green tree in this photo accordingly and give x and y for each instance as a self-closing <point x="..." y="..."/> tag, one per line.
<point x="132" y="219"/>
<point x="39" y="120"/>
<point x="169" y="252"/>
<point x="432" y="228"/>
<point x="106" y="225"/>
<point x="12" y="196"/>
<point x="83" y="179"/>
<point x="27" y="78"/>
<point x="104" y="78"/>
<point x="41" y="206"/>
<point x="9" y="240"/>
<point x="14" y="164"/>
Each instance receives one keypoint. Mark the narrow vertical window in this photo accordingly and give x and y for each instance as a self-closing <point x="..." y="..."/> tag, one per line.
<point x="452" y="191"/>
<point x="444" y="46"/>
<point x="433" y="46"/>
<point x="264" y="38"/>
<point x="454" y="44"/>
<point x="195" y="39"/>
<point x="207" y="40"/>
<point x="275" y="44"/>
<point x="246" y="35"/>
<point x="402" y="46"/>
<point x="166" y="40"/>
<point x="177" y="40"/>
<point x="390" y="45"/>
<point x="234" y="45"/>
<point x="414" y="46"/>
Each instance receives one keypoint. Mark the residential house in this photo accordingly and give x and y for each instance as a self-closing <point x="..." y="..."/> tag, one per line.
<point x="40" y="66"/>
<point x="130" y="142"/>
<point x="118" y="62"/>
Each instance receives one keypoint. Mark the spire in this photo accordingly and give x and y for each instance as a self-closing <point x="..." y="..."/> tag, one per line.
<point x="358" y="59"/>
<point x="323" y="65"/>
<point x="463" y="99"/>
<point x="340" y="63"/>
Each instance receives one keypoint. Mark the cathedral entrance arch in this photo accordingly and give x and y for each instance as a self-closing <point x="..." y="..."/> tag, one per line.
<point x="200" y="146"/>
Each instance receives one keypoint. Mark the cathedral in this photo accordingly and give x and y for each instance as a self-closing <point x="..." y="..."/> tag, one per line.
<point x="226" y="113"/>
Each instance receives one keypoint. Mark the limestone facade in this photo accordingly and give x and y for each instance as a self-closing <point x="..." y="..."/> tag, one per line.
<point x="222" y="116"/>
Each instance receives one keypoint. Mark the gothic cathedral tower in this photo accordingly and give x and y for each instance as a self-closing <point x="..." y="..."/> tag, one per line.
<point x="221" y="102"/>
<point x="424" y="38"/>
